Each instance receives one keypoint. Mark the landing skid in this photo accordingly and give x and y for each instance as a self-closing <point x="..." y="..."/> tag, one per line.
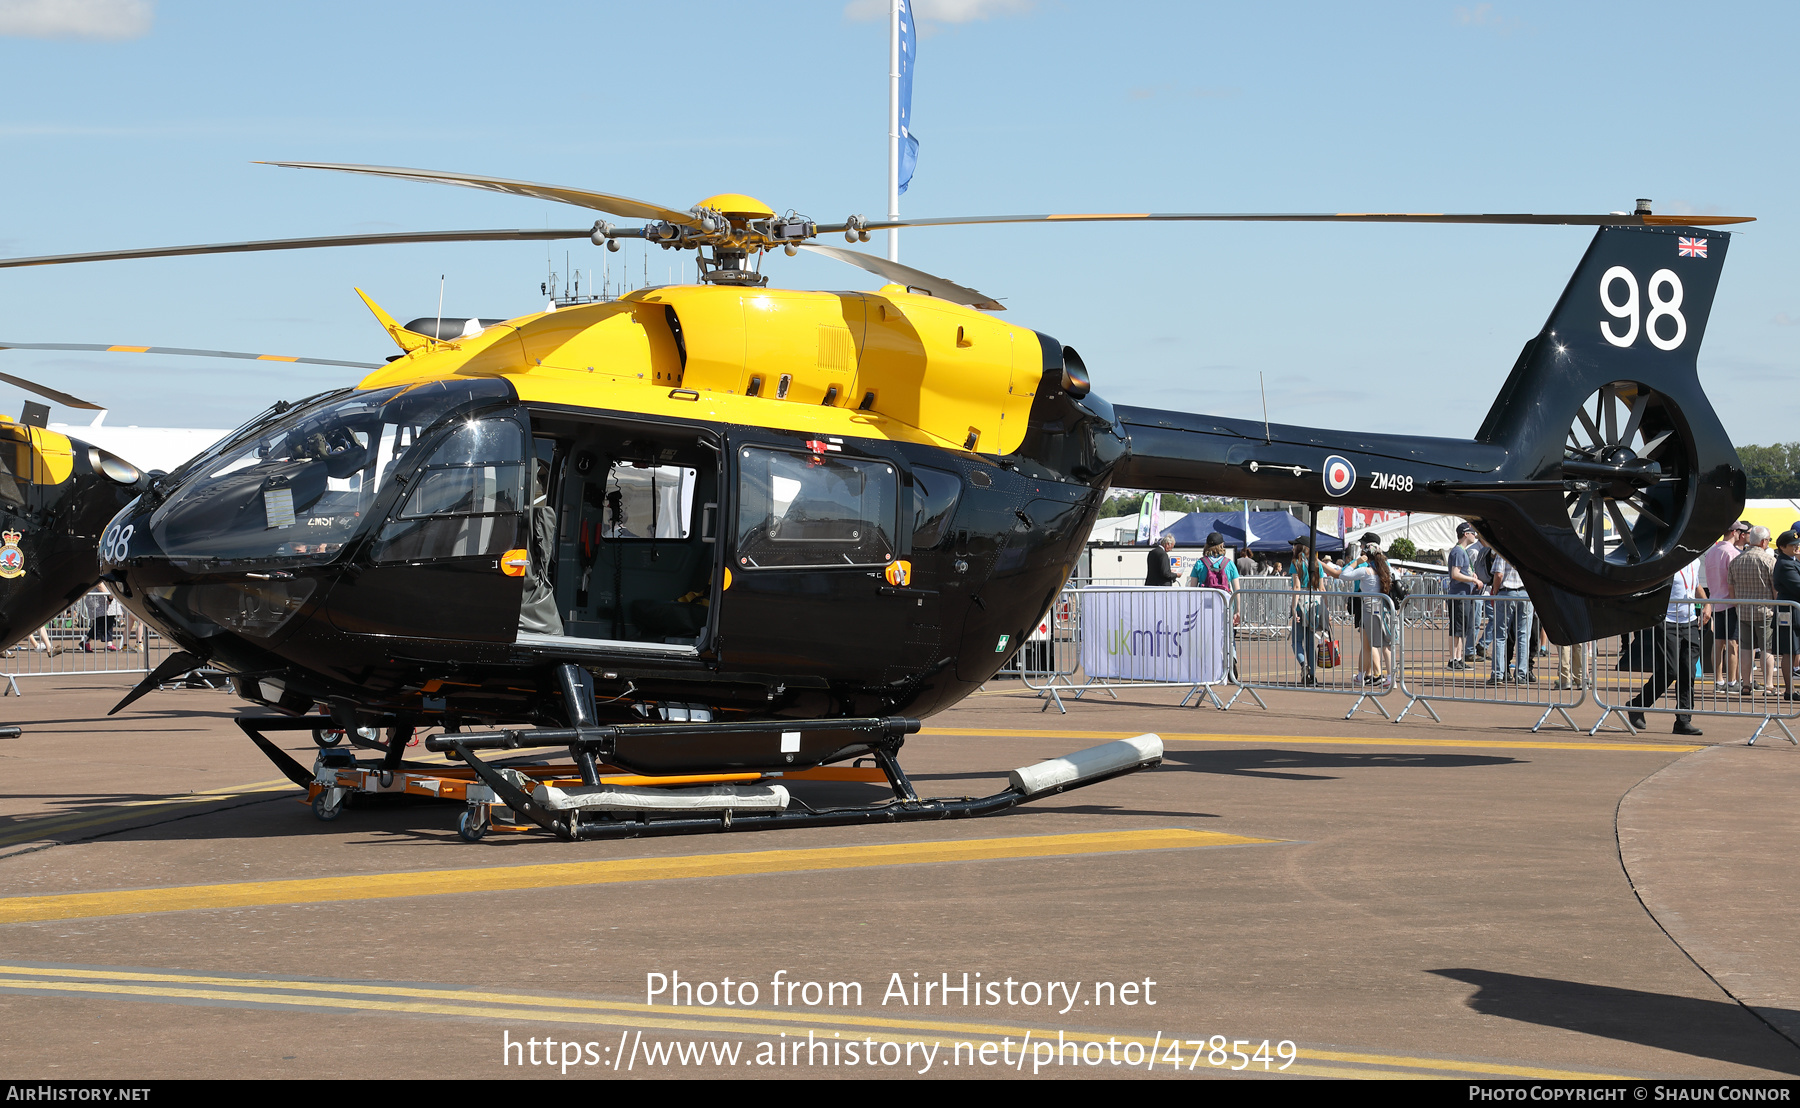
<point x="587" y="799"/>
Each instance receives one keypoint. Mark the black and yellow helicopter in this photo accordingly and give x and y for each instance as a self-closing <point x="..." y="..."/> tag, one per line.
<point x="705" y="534"/>
<point x="57" y="495"/>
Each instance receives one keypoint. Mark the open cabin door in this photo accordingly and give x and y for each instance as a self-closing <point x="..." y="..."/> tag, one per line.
<point x="628" y="534"/>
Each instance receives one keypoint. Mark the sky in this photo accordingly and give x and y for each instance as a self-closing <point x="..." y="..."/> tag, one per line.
<point x="127" y="123"/>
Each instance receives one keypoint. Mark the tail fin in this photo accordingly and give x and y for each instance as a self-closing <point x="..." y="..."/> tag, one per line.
<point x="1606" y="402"/>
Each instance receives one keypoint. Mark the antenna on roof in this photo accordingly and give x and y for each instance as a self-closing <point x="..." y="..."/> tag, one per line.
<point x="1265" y="397"/>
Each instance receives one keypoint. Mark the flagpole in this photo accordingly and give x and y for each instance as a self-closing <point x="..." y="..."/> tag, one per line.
<point x="893" y="182"/>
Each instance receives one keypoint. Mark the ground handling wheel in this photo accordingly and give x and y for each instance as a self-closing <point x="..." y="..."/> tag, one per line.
<point x="328" y="805"/>
<point x="472" y="825"/>
<point x="327" y="737"/>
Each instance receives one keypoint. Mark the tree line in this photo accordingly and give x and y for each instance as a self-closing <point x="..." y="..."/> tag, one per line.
<point x="1127" y="504"/>
<point x="1771" y="472"/>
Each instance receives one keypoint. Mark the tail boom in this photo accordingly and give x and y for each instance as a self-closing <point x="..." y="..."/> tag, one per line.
<point x="1600" y="471"/>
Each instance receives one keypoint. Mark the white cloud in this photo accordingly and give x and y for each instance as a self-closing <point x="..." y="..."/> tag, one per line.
<point x="1484" y="17"/>
<point x="941" y="11"/>
<point x="106" y="19"/>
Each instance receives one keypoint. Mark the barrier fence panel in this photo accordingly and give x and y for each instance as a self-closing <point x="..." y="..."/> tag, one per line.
<point x="1435" y="647"/>
<point x="1431" y="611"/>
<point x="1669" y="668"/>
<point x="1051" y="654"/>
<point x="81" y="639"/>
<point x="1324" y="640"/>
<point x="1150" y="637"/>
<point x="1262" y="605"/>
<point x="1440" y="660"/>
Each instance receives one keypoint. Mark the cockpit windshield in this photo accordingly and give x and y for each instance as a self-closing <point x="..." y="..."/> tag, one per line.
<point x="300" y="486"/>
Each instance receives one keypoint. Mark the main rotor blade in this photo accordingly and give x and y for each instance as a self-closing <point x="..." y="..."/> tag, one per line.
<point x="184" y="351"/>
<point x="912" y="278"/>
<point x="300" y="244"/>
<point x="48" y="393"/>
<point x="1609" y="220"/>
<point x="597" y="201"/>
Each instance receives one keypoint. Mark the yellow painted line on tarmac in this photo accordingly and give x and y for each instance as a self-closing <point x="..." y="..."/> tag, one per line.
<point x="430" y="1001"/>
<point x="1460" y="1067"/>
<point x="1177" y="736"/>
<point x="42" y="827"/>
<point x="382" y="886"/>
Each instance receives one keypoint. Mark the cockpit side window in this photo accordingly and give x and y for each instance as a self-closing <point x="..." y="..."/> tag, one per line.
<point x="300" y="484"/>
<point x="465" y="501"/>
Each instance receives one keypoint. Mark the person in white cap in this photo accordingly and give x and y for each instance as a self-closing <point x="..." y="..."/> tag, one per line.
<point x="1464" y="614"/>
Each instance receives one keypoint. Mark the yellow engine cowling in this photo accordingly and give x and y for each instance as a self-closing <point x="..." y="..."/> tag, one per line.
<point x="888" y="364"/>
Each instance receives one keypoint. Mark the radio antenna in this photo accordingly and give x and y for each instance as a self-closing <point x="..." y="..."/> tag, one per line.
<point x="1265" y="397"/>
<point x="437" y="332"/>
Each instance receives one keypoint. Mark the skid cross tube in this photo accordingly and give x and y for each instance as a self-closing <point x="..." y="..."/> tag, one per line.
<point x="603" y="739"/>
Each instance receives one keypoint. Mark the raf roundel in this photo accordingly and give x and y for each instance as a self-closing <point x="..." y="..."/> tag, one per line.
<point x="1340" y="475"/>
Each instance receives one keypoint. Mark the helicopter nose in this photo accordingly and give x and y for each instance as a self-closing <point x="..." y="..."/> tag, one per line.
<point x="126" y="538"/>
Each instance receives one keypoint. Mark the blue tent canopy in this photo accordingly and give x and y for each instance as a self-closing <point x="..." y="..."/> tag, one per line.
<point x="1274" y="531"/>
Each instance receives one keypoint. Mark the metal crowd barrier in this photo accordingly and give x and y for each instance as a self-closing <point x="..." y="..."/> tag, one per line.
<point x="1134" y="637"/>
<point x="1049" y="661"/>
<point x="1517" y="669"/>
<point x="76" y="645"/>
<point x="1428" y="589"/>
<point x="1668" y="668"/>
<point x="1318" y="647"/>
<point x="1282" y="638"/>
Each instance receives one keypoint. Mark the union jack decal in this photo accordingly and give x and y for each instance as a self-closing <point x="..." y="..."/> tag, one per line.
<point x="1690" y="248"/>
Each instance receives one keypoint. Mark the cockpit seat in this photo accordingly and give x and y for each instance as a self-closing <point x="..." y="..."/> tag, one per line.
<point x="668" y="619"/>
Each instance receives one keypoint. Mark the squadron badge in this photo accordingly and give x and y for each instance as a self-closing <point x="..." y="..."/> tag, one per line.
<point x="12" y="559"/>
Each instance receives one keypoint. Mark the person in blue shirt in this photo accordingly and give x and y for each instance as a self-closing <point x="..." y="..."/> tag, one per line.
<point x="1464" y="614"/>
<point x="1212" y="569"/>
<point x="1305" y="577"/>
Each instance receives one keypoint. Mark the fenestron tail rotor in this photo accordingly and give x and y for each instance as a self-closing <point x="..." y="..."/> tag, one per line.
<point x="1627" y="467"/>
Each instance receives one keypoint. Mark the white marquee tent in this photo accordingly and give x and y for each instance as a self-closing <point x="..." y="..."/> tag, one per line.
<point x="1427" y="530"/>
